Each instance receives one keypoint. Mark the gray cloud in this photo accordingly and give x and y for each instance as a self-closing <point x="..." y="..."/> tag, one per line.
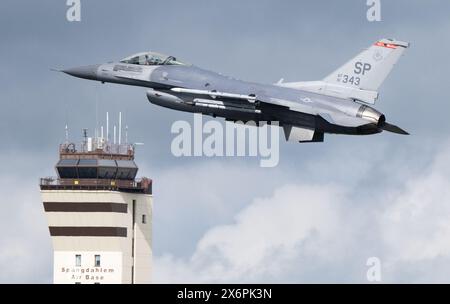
<point x="322" y="232"/>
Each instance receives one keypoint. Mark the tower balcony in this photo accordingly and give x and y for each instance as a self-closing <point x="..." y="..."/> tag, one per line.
<point x="141" y="185"/>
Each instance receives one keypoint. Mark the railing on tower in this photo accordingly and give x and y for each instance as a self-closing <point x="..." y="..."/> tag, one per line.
<point x="95" y="146"/>
<point x="143" y="185"/>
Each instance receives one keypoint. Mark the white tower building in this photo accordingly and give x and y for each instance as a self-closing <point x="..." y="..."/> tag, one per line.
<point x="99" y="215"/>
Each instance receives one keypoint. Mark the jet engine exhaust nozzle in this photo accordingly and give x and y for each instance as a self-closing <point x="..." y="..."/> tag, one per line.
<point x="371" y="115"/>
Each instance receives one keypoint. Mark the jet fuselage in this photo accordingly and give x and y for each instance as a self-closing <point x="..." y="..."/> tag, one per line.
<point x="306" y="110"/>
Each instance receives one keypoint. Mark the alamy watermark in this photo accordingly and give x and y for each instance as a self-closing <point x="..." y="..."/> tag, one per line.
<point x="239" y="139"/>
<point x="374" y="272"/>
<point x="74" y="11"/>
<point x="374" y="11"/>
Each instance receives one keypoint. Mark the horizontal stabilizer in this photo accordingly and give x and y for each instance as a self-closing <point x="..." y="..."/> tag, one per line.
<point x="393" y="128"/>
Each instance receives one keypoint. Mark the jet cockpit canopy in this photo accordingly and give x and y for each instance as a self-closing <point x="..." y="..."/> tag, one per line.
<point x="152" y="58"/>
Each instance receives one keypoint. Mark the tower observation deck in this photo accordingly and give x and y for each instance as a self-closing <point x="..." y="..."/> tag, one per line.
<point x="99" y="214"/>
<point x="97" y="165"/>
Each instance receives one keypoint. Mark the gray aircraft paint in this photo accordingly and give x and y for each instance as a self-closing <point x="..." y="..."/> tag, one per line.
<point x="306" y="111"/>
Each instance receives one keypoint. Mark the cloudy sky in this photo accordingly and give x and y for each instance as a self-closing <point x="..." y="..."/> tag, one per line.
<point x="316" y="217"/>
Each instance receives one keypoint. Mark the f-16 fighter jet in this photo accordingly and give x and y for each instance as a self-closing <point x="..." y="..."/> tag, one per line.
<point x="341" y="103"/>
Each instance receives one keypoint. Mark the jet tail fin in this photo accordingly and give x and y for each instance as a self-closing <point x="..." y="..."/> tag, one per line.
<point x="369" y="69"/>
<point x="359" y="78"/>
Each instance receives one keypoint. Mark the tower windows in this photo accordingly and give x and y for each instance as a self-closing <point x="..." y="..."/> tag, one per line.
<point x="78" y="260"/>
<point x="97" y="260"/>
<point x="144" y="219"/>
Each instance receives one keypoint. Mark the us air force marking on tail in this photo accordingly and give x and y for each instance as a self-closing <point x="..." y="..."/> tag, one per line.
<point x="341" y="103"/>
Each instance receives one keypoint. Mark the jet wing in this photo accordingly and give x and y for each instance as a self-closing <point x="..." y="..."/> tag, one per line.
<point x="334" y="118"/>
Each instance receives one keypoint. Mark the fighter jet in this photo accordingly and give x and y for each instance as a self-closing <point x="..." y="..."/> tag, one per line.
<point x="341" y="103"/>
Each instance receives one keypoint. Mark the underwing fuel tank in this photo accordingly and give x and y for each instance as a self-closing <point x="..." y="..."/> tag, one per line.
<point x="168" y="100"/>
<point x="158" y="96"/>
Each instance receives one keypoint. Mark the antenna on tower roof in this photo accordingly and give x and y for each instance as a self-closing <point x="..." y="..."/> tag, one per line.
<point x="67" y="134"/>
<point x="107" y="127"/>
<point x="85" y="140"/>
<point x="120" y="128"/>
<point x="96" y="114"/>
<point x="126" y="134"/>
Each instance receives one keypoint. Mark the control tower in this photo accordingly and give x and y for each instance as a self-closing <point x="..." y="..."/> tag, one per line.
<point x="99" y="215"/>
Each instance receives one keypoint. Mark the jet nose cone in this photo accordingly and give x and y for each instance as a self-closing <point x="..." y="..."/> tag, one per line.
<point x="86" y="72"/>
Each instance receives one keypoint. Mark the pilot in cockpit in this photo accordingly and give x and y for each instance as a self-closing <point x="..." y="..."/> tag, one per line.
<point x="147" y="60"/>
<point x="151" y="58"/>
